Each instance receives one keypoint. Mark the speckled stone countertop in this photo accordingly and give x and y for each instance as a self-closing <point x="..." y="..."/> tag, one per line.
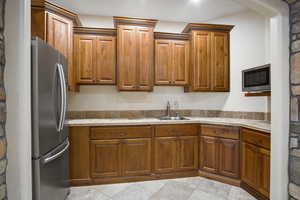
<point x="259" y="125"/>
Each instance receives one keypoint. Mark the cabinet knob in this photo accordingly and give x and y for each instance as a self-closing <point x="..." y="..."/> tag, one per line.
<point x="122" y="134"/>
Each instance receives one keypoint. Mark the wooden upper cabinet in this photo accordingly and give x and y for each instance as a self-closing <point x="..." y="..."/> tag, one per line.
<point x="171" y="59"/>
<point x="127" y="58"/>
<point x="56" y="28"/>
<point x="180" y="62"/>
<point x="135" y="53"/>
<point x="84" y="50"/>
<point x="145" y="58"/>
<point x="220" y="61"/>
<point x="95" y="55"/>
<point x="163" y="62"/>
<point x="209" y="57"/>
<point x="201" y="61"/>
<point x="105" y="60"/>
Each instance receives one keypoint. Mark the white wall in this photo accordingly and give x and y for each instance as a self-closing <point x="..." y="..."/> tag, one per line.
<point x="17" y="83"/>
<point x="248" y="49"/>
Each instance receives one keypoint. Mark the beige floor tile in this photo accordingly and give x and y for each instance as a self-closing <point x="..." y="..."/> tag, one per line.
<point x="200" y="195"/>
<point x="112" y="189"/>
<point x="194" y="188"/>
<point x="133" y="192"/>
<point x="192" y="182"/>
<point x="86" y="193"/>
<point x="173" y="190"/>
<point x="152" y="186"/>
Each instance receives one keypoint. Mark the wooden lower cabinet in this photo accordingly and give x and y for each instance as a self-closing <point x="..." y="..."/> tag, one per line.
<point x="264" y="172"/>
<point x="176" y="154"/>
<point x="249" y="164"/>
<point x="187" y="153"/>
<point x="165" y="154"/>
<point x="105" y="158"/>
<point x="112" y="158"/>
<point x="220" y="156"/>
<point x="229" y="159"/>
<point x="209" y="154"/>
<point x="256" y="163"/>
<point x="136" y="157"/>
<point x="101" y="155"/>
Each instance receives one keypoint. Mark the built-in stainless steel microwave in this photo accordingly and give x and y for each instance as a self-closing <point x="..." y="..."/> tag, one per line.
<point x="257" y="79"/>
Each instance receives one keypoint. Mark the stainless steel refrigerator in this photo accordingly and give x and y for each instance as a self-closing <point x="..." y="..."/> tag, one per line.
<point x="50" y="144"/>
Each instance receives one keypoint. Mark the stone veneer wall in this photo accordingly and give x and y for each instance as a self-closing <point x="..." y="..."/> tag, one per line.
<point x="3" y="143"/>
<point x="294" y="155"/>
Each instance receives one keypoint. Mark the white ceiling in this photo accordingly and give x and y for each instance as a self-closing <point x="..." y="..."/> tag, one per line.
<point x="168" y="10"/>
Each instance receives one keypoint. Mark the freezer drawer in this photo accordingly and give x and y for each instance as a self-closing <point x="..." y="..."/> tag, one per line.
<point x="51" y="174"/>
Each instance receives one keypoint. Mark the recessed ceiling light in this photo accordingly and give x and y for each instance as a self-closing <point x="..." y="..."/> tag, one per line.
<point x="195" y="1"/>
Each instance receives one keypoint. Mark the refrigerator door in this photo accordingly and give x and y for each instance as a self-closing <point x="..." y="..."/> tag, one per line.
<point x="51" y="174"/>
<point x="46" y="98"/>
<point x="64" y="73"/>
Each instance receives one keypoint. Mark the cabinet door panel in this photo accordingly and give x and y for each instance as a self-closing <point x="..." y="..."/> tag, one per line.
<point x="165" y="154"/>
<point x="84" y="48"/>
<point x="105" y="60"/>
<point x="60" y="36"/>
<point x="180" y="62"/>
<point x="250" y="164"/>
<point x="209" y="154"/>
<point x="105" y="158"/>
<point x="264" y="172"/>
<point x="145" y="65"/>
<point x="136" y="155"/>
<point x="220" y="61"/>
<point x="229" y="158"/>
<point x="163" y="61"/>
<point x="188" y="153"/>
<point x="201" y="68"/>
<point x="127" y="58"/>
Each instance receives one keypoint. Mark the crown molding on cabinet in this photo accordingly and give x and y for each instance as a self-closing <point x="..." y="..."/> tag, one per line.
<point x="211" y="27"/>
<point x="134" y="21"/>
<point x="42" y="4"/>
<point x="98" y="31"/>
<point x="171" y="36"/>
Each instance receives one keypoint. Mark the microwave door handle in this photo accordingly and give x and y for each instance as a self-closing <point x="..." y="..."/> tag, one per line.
<point x="64" y="96"/>
<point x="62" y="102"/>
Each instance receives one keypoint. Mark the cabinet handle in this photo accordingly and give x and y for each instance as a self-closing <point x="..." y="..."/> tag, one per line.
<point x="122" y="134"/>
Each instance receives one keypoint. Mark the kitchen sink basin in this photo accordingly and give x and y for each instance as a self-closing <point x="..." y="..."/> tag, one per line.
<point x="173" y="118"/>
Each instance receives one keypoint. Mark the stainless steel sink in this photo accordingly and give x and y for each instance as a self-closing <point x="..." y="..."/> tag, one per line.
<point x="173" y="118"/>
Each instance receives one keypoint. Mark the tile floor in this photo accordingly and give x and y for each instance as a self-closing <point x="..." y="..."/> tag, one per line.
<point x="195" y="188"/>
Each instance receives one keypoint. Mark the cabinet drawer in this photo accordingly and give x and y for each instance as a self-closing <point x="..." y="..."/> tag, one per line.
<point x="220" y="131"/>
<point x="256" y="138"/>
<point x="103" y="133"/>
<point x="176" y="130"/>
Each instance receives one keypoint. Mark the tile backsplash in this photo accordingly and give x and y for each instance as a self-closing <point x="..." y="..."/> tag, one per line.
<point x="134" y="114"/>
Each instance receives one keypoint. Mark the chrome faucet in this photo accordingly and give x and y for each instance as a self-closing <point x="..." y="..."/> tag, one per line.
<point x="168" y="111"/>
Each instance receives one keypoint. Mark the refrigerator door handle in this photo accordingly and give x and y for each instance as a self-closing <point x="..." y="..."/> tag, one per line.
<point x="48" y="159"/>
<point x="64" y="96"/>
<point x="61" y="81"/>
